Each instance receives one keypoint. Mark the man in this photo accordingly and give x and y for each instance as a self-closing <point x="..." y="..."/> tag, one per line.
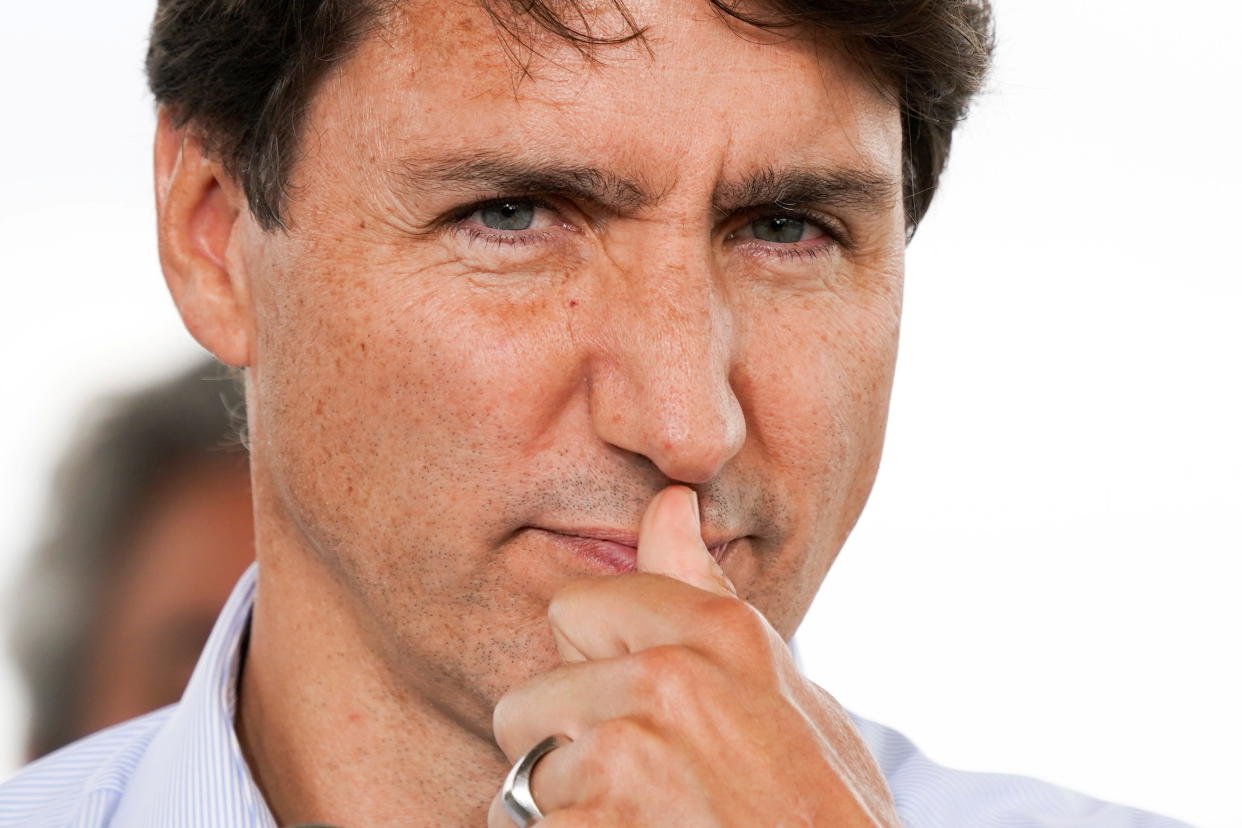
<point x="148" y="531"/>
<point x="568" y="333"/>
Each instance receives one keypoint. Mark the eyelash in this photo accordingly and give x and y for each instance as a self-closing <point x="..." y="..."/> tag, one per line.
<point x="512" y="238"/>
<point x="836" y="238"/>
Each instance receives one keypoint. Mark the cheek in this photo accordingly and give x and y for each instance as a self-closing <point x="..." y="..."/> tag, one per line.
<point x="817" y="384"/>
<point x="402" y="378"/>
<point x="817" y="388"/>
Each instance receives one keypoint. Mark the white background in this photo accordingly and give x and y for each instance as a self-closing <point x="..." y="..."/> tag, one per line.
<point x="1047" y="578"/>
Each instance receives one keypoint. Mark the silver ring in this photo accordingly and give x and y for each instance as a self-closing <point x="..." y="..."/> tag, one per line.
<point x="515" y="793"/>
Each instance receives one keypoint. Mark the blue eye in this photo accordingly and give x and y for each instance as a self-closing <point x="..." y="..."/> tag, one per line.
<point x="779" y="229"/>
<point x="506" y="215"/>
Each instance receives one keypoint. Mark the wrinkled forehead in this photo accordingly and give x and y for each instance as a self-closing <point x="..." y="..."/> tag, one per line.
<point x="695" y="93"/>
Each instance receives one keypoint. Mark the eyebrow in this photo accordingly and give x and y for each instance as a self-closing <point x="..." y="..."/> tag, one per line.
<point x="857" y="188"/>
<point x="861" y="189"/>
<point x="511" y="176"/>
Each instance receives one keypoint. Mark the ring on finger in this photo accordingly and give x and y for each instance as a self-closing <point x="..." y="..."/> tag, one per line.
<point x="515" y="793"/>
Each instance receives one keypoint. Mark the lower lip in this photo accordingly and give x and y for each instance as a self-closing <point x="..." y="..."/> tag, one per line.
<point x="608" y="556"/>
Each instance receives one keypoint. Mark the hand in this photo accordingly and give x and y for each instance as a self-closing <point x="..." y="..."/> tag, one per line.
<point x="683" y="704"/>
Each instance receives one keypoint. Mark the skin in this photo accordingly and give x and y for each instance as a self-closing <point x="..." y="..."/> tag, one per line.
<point x="186" y="551"/>
<point x="438" y="409"/>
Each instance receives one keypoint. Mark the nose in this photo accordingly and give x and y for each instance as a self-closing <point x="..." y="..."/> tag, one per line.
<point x="659" y="376"/>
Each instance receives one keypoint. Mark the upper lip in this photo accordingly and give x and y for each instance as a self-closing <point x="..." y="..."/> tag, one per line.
<point x="622" y="536"/>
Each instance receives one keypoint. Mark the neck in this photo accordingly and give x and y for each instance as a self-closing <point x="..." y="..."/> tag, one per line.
<point x="330" y="734"/>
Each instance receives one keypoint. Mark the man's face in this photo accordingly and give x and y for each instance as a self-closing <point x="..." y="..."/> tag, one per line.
<point x="510" y="308"/>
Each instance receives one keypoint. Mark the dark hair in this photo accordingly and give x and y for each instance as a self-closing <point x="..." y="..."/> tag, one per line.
<point x="125" y="450"/>
<point x="242" y="72"/>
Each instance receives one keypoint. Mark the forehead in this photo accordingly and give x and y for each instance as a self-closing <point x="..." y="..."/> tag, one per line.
<point x="698" y="96"/>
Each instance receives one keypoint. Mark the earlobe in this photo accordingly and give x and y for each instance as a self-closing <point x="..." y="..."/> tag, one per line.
<point x="199" y="210"/>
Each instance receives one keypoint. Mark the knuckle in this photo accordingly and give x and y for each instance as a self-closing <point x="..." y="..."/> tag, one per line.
<point x="618" y="754"/>
<point x="735" y="624"/>
<point x="669" y="672"/>
<point x="738" y="638"/>
<point x="571" y="595"/>
<point x="562" y="600"/>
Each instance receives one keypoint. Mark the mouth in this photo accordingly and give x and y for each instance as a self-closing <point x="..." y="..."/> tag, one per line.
<point x="616" y="552"/>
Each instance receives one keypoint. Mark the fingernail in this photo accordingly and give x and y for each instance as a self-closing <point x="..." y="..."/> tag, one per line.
<point x="693" y="497"/>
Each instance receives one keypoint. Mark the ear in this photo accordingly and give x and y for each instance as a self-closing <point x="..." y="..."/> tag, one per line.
<point x="201" y="212"/>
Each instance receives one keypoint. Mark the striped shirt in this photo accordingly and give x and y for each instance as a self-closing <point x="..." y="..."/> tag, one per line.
<point x="182" y="767"/>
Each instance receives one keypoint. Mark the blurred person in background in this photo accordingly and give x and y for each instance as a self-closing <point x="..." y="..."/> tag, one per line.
<point x="148" y="528"/>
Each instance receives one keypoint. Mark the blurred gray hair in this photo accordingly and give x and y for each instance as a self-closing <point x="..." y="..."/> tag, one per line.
<point x="124" y="449"/>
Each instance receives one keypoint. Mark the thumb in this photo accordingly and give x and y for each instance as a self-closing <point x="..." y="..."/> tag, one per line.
<point x="670" y="543"/>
